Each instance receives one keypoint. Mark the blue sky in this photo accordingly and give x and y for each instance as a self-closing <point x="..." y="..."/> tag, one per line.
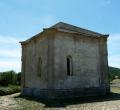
<point x="21" y="19"/>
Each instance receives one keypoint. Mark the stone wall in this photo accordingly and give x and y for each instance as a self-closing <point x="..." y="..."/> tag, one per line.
<point x="86" y="61"/>
<point x="64" y="93"/>
<point x="31" y="53"/>
<point x="89" y="65"/>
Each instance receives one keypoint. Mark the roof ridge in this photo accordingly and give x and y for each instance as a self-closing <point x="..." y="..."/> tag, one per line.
<point x="65" y="27"/>
<point x="78" y="28"/>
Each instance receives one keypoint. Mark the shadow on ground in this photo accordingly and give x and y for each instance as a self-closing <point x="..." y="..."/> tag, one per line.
<point x="72" y="101"/>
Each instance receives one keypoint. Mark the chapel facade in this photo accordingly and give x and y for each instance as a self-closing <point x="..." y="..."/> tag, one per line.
<point x="65" y="61"/>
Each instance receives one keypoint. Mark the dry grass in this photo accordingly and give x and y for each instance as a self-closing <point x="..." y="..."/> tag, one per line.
<point x="115" y="89"/>
<point x="5" y="90"/>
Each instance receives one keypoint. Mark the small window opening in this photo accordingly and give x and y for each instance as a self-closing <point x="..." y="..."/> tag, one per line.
<point x="39" y="67"/>
<point x="69" y="66"/>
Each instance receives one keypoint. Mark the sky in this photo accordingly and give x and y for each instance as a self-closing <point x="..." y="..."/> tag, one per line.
<point x="21" y="19"/>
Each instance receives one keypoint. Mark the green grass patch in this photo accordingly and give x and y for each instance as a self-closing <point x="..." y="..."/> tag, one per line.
<point x="5" y="90"/>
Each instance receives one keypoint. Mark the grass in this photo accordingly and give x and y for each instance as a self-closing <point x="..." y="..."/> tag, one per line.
<point x="5" y="90"/>
<point x="115" y="89"/>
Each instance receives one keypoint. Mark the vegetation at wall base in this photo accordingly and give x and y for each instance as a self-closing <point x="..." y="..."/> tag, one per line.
<point x="9" y="82"/>
<point x="10" y="89"/>
<point x="114" y="73"/>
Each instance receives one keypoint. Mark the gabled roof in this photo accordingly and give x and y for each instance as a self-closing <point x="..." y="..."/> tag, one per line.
<point x="64" y="27"/>
<point x="73" y="28"/>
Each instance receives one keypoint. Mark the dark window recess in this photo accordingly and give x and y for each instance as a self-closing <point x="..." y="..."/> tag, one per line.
<point x="39" y="67"/>
<point x="68" y="66"/>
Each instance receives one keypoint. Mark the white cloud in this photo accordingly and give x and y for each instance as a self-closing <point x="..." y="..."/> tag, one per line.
<point x="8" y="39"/>
<point x="114" y="60"/>
<point x="10" y="65"/>
<point x="114" y="37"/>
<point x="10" y="53"/>
<point x="114" y="50"/>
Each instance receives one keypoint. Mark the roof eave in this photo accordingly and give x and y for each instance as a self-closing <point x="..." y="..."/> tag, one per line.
<point x="105" y="35"/>
<point x="37" y="35"/>
<point x="66" y="31"/>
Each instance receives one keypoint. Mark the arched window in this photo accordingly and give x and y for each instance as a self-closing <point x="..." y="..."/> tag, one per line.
<point x="69" y="66"/>
<point x="39" y="66"/>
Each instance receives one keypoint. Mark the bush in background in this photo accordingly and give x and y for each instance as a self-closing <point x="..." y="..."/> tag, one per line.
<point x="10" y="78"/>
<point x="113" y="72"/>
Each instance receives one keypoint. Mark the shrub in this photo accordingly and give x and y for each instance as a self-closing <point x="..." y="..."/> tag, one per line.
<point x="10" y="89"/>
<point x="10" y="77"/>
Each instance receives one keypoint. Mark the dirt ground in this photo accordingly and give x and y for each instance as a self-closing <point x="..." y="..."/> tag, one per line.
<point x="15" y="102"/>
<point x="7" y="102"/>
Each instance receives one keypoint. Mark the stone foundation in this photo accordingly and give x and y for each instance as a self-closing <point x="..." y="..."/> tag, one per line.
<point x="68" y="93"/>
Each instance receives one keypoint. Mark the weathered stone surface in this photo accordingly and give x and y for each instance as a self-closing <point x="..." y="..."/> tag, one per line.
<point x="64" y="93"/>
<point x="89" y="64"/>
